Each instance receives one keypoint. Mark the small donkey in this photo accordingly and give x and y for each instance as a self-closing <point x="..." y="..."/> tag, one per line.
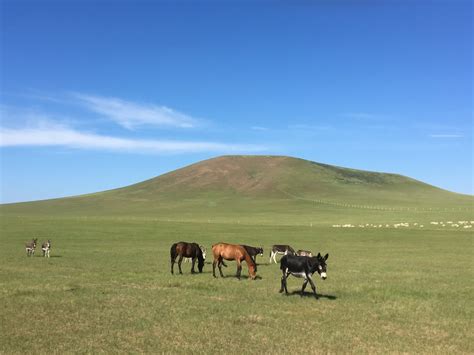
<point x="30" y="247"/>
<point x="46" y="247"/>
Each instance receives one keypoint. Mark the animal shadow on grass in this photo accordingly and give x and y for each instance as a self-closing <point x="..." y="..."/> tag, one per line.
<point x="242" y="277"/>
<point x="311" y="295"/>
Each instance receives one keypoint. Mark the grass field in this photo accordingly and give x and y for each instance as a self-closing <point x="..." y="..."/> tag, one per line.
<point x="107" y="288"/>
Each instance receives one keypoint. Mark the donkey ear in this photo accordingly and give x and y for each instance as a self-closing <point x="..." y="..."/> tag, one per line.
<point x="319" y="255"/>
<point x="326" y="257"/>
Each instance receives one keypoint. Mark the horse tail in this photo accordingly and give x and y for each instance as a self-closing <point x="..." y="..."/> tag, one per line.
<point x="173" y="252"/>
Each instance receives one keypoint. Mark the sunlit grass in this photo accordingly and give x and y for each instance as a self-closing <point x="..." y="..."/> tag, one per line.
<point x="107" y="288"/>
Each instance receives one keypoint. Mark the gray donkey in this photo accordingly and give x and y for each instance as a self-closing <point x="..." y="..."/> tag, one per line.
<point x="46" y="247"/>
<point x="30" y="247"/>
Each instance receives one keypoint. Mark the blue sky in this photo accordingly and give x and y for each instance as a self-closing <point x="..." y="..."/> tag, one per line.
<point x="101" y="94"/>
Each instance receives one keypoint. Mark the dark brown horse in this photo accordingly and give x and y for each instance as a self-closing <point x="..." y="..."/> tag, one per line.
<point x="224" y="251"/>
<point x="186" y="250"/>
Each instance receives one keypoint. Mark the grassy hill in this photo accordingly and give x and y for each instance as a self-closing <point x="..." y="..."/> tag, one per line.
<point x="260" y="188"/>
<point x="389" y="290"/>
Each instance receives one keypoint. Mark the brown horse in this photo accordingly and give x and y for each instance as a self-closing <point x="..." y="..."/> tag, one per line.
<point x="224" y="251"/>
<point x="186" y="250"/>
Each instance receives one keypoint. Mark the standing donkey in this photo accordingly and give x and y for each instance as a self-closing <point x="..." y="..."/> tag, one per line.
<point x="280" y="249"/>
<point x="30" y="247"/>
<point x="46" y="247"/>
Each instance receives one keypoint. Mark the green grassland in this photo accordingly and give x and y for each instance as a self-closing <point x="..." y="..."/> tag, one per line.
<point x="107" y="286"/>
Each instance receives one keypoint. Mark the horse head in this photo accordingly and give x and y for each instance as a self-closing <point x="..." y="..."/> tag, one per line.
<point x="201" y="257"/>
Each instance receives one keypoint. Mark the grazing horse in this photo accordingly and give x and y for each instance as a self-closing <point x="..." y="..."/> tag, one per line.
<point x="280" y="249"/>
<point x="304" y="253"/>
<point x="224" y="251"/>
<point x="203" y="250"/>
<point x="30" y="247"/>
<point x="302" y="266"/>
<point x="186" y="250"/>
<point x="46" y="247"/>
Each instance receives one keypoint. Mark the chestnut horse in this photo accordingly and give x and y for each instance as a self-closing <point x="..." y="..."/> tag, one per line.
<point x="224" y="251"/>
<point x="186" y="250"/>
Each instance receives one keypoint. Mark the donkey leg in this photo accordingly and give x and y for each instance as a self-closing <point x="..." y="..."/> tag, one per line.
<point x="312" y="286"/>
<point x="282" y="288"/>
<point x="304" y="286"/>
<point x="283" y="282"/>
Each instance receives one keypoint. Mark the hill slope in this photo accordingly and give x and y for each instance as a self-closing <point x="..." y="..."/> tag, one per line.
<point x="257" y="185"/>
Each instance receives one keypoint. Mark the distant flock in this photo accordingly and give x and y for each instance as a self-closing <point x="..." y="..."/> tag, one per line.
<point x="458" y="224"/>
<point x="301" y="263"/>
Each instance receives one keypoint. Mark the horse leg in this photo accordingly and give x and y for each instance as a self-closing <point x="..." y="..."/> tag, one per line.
<point x="192" y="267"/>
<point x="239" y="268"/>
<point x="220" y="266"/>
<point x="179" y="263"/>
<point x="312" y="286"/>
<point x="214" y="268"/>
<point x="172" y="265"/>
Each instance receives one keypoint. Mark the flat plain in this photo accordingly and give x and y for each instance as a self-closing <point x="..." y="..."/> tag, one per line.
<point x="107" y="288"/>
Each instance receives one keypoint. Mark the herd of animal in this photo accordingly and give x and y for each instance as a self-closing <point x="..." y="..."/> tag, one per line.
<point x="301" y="263"/>
<point x="31" y="247"/>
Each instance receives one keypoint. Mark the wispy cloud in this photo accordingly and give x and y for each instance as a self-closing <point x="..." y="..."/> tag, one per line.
<point x="49" y="135"/>
<point x="309" y="127"/>
<point x="364" y="116"/>
<point x="446" y="136"/>
<point x="259" y="128"/>
<point x="132" y="115"/>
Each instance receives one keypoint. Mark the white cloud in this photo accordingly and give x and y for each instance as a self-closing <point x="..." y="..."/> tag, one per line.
<point x="51" y="134"/>
<point x="132" y="115"/>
